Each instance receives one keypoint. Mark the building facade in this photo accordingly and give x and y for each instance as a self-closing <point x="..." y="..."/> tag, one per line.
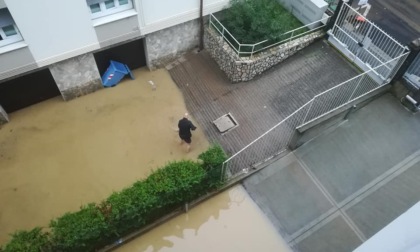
<point x="50" y="47"/>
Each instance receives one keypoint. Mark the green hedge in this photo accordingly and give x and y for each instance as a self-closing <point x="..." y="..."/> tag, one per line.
<point x="252" y="21"/>
<point x="29" y="241"/>
<point x="213" y="160"/>
<point x="96" y="225"/>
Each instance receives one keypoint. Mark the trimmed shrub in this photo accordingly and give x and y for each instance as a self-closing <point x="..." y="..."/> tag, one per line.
<point x="94" y="226"/>
<point x="84" y="230"/>
<point x="213" y="157"/>
<point x="252" y="21"/>
<point x="213" y="160"/>
<point x="29" y="241"/>
<point x="128" y="208"/>
<point x="163" y="191"/>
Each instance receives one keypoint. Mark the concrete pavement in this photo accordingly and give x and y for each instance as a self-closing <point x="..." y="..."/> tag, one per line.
<point x="401" y="19"/>
<point x="339" y="189"/>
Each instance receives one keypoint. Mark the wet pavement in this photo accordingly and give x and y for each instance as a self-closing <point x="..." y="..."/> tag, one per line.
<point x="56" y="155"/>
<point x="230" y="221"/>
<point x="400" y="19"/>
<point x="261" y="103"/>
<point x="339" y="189"/>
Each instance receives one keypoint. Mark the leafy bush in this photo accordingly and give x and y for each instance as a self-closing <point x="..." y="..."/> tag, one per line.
<point x="129" y="207"/>
<point x="163" y="191"/>
<point x="29" y="241"/>
<point x="213" y="160"/>
<point x="93" y="226"/>
<point x="84" y="230"/>
<point x="213" y="157"/>
<point x="253" y="21"/>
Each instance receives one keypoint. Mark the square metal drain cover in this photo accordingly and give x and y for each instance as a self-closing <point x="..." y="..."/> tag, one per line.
<point x="225" y="123"/>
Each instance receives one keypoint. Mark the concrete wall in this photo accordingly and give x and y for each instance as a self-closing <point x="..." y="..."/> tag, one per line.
<point x="77" y="76"/>
<point x="166" y="45"/>
<point x="53" y="35"/>
<point x="307" y="11"/>
<point x="3" y="116"/>
<point x="57" y="32"/>
<point x="118" y="31"/>
<point x="54" y="30"/>
<point x="240" y="69"/>
<point x="160" y="14"/>
<point x="16" y="62"/>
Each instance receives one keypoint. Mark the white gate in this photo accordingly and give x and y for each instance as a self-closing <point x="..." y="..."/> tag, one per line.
<point x="365" y="44"/>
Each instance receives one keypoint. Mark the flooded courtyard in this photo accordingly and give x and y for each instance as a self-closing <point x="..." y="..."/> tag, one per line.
<point x="56" y="155"/>
<point x="230" y="221"/>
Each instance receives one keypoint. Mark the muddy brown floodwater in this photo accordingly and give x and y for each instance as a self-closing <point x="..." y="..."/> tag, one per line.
<point x="56" y="155"/>
<point x="230" y="221"/>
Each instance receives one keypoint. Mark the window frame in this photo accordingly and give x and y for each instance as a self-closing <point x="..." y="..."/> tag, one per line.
<point x="7" y="40"/>
<point x="106" y="12"/>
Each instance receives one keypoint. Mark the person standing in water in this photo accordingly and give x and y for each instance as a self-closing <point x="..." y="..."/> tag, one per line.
<point x="184" y="129"/>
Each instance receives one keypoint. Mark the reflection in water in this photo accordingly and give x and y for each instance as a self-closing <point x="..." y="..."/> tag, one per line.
<point x="56" y="155"/>
<point x="230" y="221"/>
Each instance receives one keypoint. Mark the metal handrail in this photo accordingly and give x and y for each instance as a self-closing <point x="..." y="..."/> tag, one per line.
<point x="213" y="20"/>
<point x="311" y="102"/>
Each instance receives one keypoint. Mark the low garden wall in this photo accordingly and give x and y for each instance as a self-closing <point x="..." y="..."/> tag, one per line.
<point x="246" y="68"/>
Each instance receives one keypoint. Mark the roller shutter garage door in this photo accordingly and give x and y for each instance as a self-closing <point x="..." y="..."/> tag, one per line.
<point x="27" y="90"/>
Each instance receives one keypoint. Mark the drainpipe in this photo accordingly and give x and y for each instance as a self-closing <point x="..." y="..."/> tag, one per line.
<point x="201" y="26"/>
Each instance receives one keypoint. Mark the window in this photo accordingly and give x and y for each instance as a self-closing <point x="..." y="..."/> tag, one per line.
<point x="9" y="33"/>
<point x="101" y="8"/>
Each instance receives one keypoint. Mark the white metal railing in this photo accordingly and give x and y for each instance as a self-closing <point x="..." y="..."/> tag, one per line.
<point x="248" y="50"/>
<point x="278" y="138"/>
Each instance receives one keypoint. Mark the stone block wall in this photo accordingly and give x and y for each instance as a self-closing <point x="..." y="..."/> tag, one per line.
<point x="164" y="46"/>
<point x="77" y="76"/>
<point x="240" y="69"/>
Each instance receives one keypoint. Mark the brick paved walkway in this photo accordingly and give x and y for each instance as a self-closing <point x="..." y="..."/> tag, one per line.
<point x="259" y="104"/>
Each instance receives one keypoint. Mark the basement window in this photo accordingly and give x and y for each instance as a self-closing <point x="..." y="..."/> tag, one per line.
<point x="102" y="8"/>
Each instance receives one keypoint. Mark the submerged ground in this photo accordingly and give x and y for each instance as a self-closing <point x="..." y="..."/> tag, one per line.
<point x="56" y="155"/>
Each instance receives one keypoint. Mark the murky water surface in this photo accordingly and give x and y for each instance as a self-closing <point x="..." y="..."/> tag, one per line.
<point x="56" y="155"/>
<point x="231" y="221"/>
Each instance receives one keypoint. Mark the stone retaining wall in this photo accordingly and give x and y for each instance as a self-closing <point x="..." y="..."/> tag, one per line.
<point x="246" y="68"/>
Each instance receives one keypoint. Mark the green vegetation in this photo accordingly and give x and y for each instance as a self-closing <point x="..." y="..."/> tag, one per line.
<point x="213" y="159"/>
<point x="29" y="241"/>
<point x="96" y="225"/>
<point x="253" y="21"/>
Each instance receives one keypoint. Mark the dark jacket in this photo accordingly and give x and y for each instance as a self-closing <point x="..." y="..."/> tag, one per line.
<point x="185" y="126"/>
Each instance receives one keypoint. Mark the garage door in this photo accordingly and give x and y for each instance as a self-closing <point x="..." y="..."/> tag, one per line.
<point x="27" y="90"/>
<point x="131" y="53"/>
